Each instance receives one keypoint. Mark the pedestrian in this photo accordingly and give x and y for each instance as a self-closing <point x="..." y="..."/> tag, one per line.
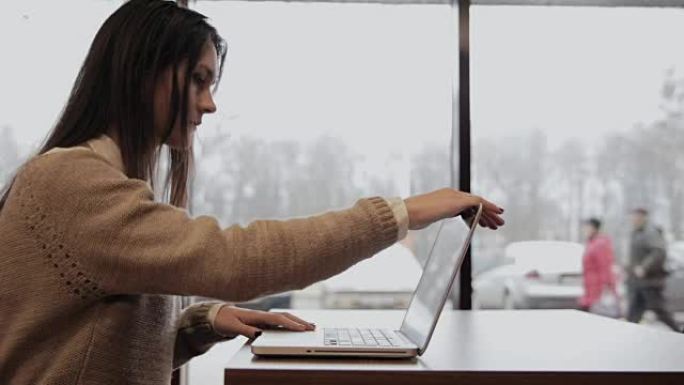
<point x="600" y="292"/>
<point x="646" y="272"/>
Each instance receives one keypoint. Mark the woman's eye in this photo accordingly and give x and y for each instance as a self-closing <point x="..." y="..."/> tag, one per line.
<point x="198" y="79"/>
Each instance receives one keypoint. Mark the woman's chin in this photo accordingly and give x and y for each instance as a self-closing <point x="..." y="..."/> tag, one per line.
<point x="176" y="144"/>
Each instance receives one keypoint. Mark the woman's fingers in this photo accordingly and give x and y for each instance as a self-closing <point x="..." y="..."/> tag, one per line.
<point x="491" y="207"/>
<point x="310" y="326"/>
<point x="491" y="221"/>
<point x="279" y="319"/>
<point x="232" y="320"/>
<point x="498" y="220"/>
<point x="246" y="330"/>
<point x="490" y="211"/>
<point x="488" y="222"/>
<point x="492" y="214"/>
<point x="485" y="222"/>
<point x="268" y="319"/>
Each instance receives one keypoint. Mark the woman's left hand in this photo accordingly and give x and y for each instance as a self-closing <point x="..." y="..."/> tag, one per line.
<point x="233" y="321"/>
<point x="428" y="208"/>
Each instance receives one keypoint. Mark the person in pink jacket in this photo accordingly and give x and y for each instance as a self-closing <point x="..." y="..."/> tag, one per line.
<point x="597" y="265"/>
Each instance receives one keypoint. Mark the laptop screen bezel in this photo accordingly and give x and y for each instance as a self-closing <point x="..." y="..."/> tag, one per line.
<point x="406" y="329"/>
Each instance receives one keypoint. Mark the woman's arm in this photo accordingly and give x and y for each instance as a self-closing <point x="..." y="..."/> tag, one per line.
<point x="118" y="240"/>
<point x="123" y="242"/>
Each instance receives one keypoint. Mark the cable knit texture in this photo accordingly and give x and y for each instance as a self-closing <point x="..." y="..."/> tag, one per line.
<point x="91" y="269"/>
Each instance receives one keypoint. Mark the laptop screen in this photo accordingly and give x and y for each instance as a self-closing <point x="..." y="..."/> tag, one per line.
<point x="439" y="272"/>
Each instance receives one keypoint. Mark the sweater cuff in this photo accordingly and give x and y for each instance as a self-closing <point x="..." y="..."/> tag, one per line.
<point x="195" y="334"/>
<point x="211" y="315"/>
<point x="400" y="215"/>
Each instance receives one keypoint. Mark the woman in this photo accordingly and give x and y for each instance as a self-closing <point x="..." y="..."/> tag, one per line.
<point x="597" y="271"/>
<point x="90" y="260"/>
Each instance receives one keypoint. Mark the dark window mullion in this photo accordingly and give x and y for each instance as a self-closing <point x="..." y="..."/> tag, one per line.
<point x="462" y="133"/>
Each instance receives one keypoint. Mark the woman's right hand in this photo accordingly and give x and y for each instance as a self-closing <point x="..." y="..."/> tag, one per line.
<point x="425" y="209"/>
<point x="231" y="321"/>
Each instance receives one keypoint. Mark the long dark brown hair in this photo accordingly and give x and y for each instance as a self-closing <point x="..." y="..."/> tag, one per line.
<point x="114" y="89"/>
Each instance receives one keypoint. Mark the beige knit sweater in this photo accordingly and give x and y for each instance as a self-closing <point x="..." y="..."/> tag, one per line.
<point x="91" y="266"/>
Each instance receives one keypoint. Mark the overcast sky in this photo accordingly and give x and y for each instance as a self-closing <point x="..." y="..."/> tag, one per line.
<point x="366" y="72"/>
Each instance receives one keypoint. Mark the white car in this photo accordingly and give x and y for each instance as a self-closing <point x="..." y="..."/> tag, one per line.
<point x="386" y="281"/>
<point x="674" y="287"/>
<point x="543" y="275"/>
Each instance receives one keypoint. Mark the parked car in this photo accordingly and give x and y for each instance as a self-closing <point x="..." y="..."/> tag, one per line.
<point x="541" y="275"/>
<point x="386" y="281"/>
<point x="674" y="289"/>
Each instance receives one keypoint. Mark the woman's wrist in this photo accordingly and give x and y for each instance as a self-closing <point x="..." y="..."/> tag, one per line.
<point x="400" y="215"/>
<point x="211" y="316"/>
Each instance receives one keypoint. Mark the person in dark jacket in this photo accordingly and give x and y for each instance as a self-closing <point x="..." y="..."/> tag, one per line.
<point x="646" y="272"/>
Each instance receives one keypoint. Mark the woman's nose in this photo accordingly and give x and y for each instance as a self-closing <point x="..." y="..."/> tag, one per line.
<point x="208" y="105"/>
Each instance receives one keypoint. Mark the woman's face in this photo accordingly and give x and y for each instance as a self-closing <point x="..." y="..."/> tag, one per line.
<point x="589" y="231"/>
<point x="200" y="99"/>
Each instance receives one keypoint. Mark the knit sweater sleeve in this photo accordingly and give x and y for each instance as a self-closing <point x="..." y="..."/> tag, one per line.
<point x="196" y="334"/>
<point x="123" y="242"/>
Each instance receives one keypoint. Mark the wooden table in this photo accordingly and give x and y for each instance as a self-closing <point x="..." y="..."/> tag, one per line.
<point x="487" y="347"/>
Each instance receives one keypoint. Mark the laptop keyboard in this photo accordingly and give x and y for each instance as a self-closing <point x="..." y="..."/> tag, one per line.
<point x="360" y="337"/>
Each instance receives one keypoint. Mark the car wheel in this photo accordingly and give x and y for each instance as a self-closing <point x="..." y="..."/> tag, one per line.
<point x="508" y="301"/>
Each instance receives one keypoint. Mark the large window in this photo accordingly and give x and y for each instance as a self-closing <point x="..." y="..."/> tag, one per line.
<point x="321" y="104"/>
<point x="576" y="113"/>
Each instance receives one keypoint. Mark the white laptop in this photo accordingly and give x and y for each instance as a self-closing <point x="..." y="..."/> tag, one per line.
<point x="412" y="338"/>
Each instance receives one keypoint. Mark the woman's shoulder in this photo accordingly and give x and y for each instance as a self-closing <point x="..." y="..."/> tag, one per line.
<point x="65" y="170"/>
<point x="77" y="160"/>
